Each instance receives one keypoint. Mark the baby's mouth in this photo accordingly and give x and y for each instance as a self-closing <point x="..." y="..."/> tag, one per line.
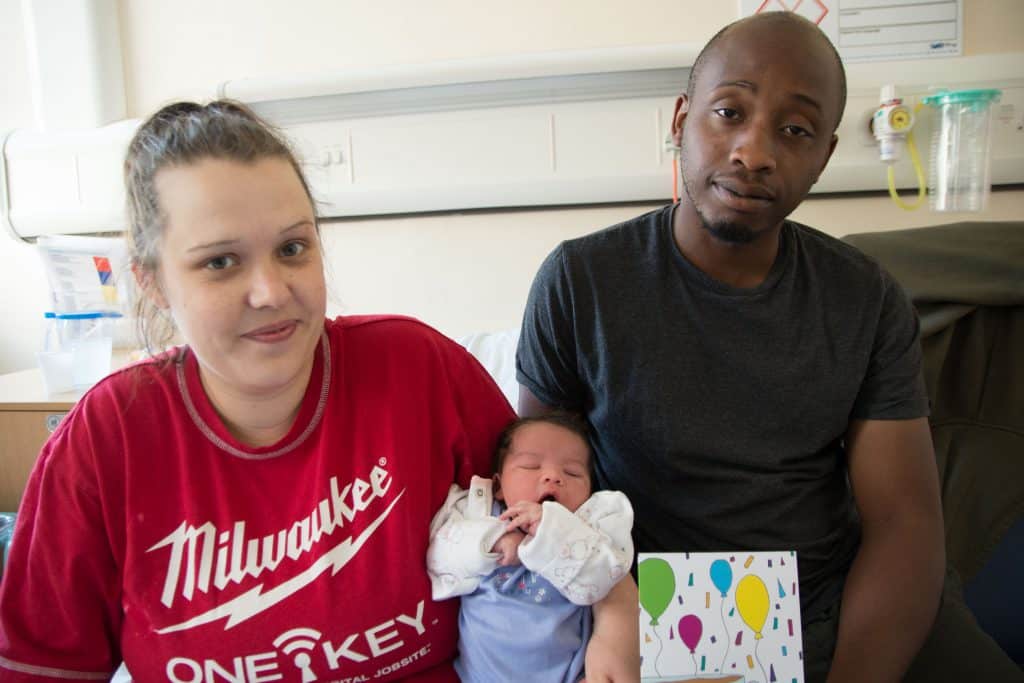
<point x="548" y="497"/>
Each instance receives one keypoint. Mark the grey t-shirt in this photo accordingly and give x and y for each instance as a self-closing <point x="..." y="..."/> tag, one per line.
<point x="721" y="412"/>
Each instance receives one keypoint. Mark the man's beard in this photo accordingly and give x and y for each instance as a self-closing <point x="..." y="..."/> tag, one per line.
<point x="729" y="232"/>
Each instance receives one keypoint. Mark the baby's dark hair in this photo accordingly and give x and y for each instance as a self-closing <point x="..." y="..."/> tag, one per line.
<point x="559" y="418"/>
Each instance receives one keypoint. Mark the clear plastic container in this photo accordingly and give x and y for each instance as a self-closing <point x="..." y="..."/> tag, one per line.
<point x="77" y="350"/>
<point x="959" y="177"/>
<point x="54" y="361"/>
<point x="90" y="338"/>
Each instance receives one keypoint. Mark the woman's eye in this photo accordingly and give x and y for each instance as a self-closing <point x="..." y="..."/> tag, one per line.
<point x="220" y="262"/>
<point x="293" y="249"/>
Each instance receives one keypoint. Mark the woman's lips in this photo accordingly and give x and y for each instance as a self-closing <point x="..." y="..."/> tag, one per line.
<point x="272" y="334"/>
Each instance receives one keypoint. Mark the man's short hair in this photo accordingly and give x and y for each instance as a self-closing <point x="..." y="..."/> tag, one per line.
<point x="779" y="16"/>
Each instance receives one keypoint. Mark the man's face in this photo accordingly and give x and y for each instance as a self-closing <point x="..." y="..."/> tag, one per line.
<point x="758" y="130"/>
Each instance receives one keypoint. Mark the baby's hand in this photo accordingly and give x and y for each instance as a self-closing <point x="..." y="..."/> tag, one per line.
<point x="508" y="546"/>
<point x="524" y="515"/>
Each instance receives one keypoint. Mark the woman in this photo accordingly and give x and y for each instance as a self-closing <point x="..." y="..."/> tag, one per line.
<point x="253" y="505"/>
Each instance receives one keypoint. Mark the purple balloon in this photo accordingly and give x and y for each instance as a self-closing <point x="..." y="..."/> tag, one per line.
<point x="690" y="628"/>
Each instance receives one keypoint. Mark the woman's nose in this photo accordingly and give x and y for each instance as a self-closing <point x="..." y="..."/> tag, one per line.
<point x="268" y="287"/>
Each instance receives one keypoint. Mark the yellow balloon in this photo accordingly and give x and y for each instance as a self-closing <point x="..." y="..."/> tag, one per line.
<point x="752" y="602"/>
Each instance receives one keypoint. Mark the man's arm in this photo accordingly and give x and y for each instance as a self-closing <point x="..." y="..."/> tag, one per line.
<point x="613" y="654"/>
<point x="530" y="405"/>
<point x="892" y="592"/>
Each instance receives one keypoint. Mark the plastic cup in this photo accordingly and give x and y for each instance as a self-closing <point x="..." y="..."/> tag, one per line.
<point x="961" y="147"/>
<point x="56" y="367"/>
<point x="88" y="337"/>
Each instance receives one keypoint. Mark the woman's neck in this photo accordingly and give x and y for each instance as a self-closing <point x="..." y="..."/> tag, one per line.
<point x="257" y="419"/>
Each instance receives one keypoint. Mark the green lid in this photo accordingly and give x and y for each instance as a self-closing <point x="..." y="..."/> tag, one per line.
<point x="975" y="97"/>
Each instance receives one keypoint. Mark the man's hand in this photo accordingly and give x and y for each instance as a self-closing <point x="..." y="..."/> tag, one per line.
<point x="508" y="546"/>
<point x="524" y="516"/>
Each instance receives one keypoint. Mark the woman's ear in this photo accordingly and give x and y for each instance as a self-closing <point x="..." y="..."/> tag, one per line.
<point x="146" y="279"/>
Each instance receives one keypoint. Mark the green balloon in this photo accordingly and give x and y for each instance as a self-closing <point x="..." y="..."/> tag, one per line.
<point x="657" y="586"/>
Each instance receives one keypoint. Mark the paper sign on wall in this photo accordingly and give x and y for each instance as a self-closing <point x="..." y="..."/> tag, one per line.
<point x="868" y="30"/>
<point x="727" y="617"/>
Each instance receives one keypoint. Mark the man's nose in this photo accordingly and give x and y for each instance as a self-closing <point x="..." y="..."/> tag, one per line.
<point x="754" y="148"/>
<point x="268" y="286"/>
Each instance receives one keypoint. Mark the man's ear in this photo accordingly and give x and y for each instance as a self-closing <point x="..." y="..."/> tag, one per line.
<point x="679" y="118"/>
<point x="831" y="149"/>
<point x="146" y="279"/>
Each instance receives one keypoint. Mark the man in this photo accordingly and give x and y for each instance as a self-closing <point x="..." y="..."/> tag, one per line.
<point x="753" y="383"/>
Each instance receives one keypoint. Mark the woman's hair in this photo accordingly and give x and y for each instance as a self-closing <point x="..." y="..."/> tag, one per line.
<point x="180" y="134"/>
<point x="559" y="418"/>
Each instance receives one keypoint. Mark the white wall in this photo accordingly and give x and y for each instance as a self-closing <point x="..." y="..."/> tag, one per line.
<point x="461" y="272"/>
<point x="23" y="289"/>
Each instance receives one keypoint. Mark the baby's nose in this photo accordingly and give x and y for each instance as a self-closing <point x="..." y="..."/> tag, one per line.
<point x="552" y="476"/>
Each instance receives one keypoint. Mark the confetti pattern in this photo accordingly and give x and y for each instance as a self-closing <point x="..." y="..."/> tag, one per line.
<point x="726" y="632"/>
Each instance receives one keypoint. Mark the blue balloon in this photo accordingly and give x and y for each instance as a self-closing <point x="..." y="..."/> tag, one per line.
<point x="721" y="576"/>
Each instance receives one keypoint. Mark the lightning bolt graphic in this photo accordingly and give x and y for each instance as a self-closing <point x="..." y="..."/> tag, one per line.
<point x="253" y="602"/>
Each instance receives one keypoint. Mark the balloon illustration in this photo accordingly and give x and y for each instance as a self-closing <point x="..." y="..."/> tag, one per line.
<point x="721" y="576"/>
<point x="690" y="629"/>
<point x="752" y="603"/>
<point x="657" y="586"/>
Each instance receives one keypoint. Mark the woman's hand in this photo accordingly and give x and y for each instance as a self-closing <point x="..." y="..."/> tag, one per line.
<point x="613" y="654"/>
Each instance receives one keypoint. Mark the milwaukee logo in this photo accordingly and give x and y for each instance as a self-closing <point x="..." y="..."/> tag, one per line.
<point x="203" y="556"/>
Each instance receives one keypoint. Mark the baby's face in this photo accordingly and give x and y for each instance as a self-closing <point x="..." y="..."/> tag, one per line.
<point x="545" y="462"/>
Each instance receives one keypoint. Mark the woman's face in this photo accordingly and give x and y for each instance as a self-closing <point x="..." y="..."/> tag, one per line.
<point x="241" y="272"/>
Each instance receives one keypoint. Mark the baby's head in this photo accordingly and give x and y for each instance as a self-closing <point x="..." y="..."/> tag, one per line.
<point x="544" y="458"/>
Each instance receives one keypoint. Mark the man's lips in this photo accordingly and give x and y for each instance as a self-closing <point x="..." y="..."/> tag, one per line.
<point x="273" y="332"/>
<point x="742" y="197"/>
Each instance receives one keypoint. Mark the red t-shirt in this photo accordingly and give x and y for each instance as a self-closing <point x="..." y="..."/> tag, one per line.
<point x="148" y="533"/>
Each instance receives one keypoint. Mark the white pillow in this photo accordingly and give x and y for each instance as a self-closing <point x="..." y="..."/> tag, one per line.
<point x="496" y="351"/>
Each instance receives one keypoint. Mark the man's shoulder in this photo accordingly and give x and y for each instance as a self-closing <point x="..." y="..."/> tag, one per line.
<point x="636" y="235"/>
<point x="834" y="256"/>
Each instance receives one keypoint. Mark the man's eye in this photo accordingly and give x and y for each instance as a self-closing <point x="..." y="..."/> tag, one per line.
<point x="796" y="131"/>
<point x="727" y="113"/>
<point x="293" y="248"/>
<point x="220" y="262"/>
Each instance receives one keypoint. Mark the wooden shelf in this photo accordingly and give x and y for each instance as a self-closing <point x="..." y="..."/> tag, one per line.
<point x="27" y="417"/>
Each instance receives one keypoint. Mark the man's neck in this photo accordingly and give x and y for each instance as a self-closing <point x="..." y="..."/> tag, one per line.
<point x="743" y="266"/>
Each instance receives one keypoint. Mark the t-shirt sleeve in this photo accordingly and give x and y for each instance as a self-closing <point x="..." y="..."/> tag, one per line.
<point x="546" y="362"/>
<point x="893" y="387"/>
<point x="483" y="413"/>
<point x="60" y="600"/>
